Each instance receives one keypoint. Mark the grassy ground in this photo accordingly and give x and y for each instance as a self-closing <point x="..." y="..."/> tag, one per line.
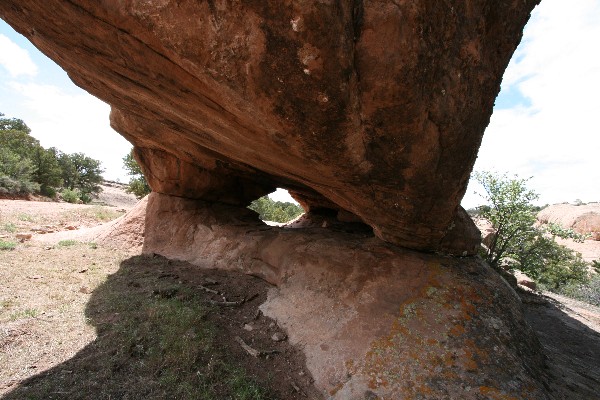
<point x="80" y="321"/>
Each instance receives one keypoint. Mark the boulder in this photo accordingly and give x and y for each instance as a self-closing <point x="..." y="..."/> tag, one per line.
<point x="525" y="281"/>
<point x="373" y="108"/>
<point x="584" y="219"/>
<point x="488" y="233"/>
<point x="374" y="320"/>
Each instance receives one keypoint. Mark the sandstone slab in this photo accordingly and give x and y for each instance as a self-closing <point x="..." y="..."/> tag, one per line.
<point x="374" y="320"/>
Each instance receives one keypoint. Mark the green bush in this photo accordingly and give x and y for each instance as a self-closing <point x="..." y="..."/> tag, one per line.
<point x="49" y="192"/>
<point x="85" y="197"/>
<point x="67" y="243"/>
<point x="10" y="186"/>
<point x="70" y="196"/>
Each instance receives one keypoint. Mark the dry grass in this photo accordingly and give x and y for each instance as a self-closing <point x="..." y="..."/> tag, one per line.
<point x="44" y="293"/>
<point x="81" y="321"/>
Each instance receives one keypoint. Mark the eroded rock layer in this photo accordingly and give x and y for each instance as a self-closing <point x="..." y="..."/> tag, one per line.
<point x="375" y="321"/>
<point x="372" y="108"/>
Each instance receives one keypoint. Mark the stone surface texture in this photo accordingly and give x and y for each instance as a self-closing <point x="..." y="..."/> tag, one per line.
<point x="372" y="108"/>
<point x="375" y="321"/>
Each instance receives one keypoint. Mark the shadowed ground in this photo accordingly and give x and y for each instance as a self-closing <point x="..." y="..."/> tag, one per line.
<point x="162" y="333"/>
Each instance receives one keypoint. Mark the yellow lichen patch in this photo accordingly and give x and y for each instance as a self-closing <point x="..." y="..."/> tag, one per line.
<point x="350" y="367"/>
<point x="431" y="344"/>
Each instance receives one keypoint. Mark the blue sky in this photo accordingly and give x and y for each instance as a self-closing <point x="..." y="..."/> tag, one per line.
<point x="545" y="123"/>
<point x="60" y="114"/>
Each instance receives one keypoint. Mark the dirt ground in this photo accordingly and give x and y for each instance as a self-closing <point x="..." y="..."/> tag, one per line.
<point x="80" y="320"/>
<point x="68" y="309"/>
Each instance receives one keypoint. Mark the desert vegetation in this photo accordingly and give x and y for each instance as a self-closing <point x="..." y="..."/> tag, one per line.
<point x="519" y="243"/>
<point x="137" y="185"/>
<point x="27" y="168"/>
<point x="276" y="211"/>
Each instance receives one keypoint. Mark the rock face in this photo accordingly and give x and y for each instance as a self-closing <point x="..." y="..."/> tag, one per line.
<point x="375" y="321"/>
<point x="374" y="109"/>
<point x="583" y="219"/>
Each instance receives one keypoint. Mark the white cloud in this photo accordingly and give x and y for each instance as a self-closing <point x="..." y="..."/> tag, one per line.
<point x="556" y="140"/>
<point x="15" y="59"/>
<point x="73" y="122"/>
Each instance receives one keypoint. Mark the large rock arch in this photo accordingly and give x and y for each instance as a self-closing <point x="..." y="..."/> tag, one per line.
<point x="371" y="109"/>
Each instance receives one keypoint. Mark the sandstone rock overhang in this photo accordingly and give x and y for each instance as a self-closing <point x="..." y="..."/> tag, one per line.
<point x="374" y="108"/>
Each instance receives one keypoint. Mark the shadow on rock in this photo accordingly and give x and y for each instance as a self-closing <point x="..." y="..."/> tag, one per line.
<point x="167" y="329"/>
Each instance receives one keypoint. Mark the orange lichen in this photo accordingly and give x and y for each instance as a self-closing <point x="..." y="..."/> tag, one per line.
<point x="336" y="389"/>
<point x="457" y="330"/>
<point x="495" y="394"/>
<point x="430" y="344"/>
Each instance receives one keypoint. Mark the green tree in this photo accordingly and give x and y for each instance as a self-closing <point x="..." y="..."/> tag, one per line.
<point x="510" y="212"/>
<point x="137" y="182"/>
<point x="13" y="124"/>
<point x="277" y="211"/>
<point x="81" y="172"/>
<point x="16" y="174"/>
<point x="47" y="170"/>
<point x="16" y="168"/>
<point x="518" y="243"/>
<point x="26" y="167"/>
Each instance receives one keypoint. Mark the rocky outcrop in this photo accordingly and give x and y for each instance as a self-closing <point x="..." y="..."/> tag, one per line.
<point x="584" y="219"/>
<point x="374" y="320"/>
<point x="372" y="108"/>
<point x="369" y="112"/>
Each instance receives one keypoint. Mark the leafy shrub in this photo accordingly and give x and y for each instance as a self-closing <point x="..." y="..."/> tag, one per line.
<point x="49" y="192"/>
<point x="85" y="197"/>
<point x="70" y="196"/>
<point x="137" y="182"/>
<point x="138" y="187"/>
<point x="10" y="227"/>
<point x="14" y="187"/>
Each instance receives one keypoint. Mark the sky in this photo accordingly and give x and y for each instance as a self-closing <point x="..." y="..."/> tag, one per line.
<point x="545" y="123"/>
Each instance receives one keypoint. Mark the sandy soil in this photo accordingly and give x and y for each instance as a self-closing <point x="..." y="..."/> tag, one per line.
<point x="113" y="195"/>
